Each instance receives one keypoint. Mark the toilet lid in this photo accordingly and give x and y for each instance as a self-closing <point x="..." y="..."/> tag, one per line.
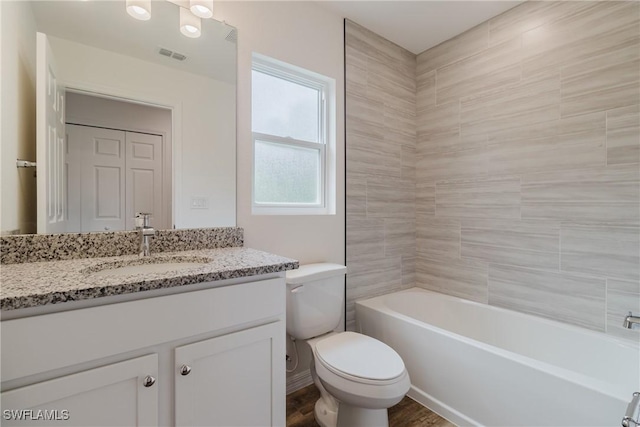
<point x="359" y="356"/>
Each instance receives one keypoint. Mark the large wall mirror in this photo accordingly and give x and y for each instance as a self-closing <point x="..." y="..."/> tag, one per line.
<point x="133" y="117"/>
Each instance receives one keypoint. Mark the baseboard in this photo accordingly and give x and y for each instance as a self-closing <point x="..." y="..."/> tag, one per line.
<point x="440" y="408"/>
<point x="300" y="380"/>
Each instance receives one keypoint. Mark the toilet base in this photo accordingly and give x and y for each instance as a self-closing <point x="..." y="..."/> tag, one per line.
<point x="352" y="416"/>
<point x="325" y="416"/>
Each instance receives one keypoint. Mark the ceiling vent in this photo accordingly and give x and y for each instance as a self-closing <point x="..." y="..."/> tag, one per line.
<point x="171" y="54"/>
<point x="232" y="36"/>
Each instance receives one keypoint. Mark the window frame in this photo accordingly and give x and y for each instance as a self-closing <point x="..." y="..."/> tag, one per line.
<point x="325" y="87"/>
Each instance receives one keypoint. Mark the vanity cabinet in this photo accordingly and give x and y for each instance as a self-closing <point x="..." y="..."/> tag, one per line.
<point x="212" y="357"/>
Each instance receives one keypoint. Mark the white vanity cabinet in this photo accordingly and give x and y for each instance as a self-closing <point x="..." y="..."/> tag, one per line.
<point x="213" y="356"/>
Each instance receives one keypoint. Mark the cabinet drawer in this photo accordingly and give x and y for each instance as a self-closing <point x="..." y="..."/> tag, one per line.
<point x="38" y="344"/>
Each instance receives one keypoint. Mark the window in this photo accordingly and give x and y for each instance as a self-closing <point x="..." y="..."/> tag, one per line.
<point x="293" y="139"/>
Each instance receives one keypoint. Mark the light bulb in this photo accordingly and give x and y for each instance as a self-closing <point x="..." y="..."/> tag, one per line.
<point x="201" y="8"/>
<point x="139" y="9"/>
<point x="190" y="24"/>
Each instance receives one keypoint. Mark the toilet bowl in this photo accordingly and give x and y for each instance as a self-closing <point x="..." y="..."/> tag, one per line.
<point x="358" y="376"/>
<point x="363" y="374"/>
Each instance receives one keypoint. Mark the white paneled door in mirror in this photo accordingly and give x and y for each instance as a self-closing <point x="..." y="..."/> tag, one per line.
<point x="51" y="191"/>
<point x="112" y="175"/>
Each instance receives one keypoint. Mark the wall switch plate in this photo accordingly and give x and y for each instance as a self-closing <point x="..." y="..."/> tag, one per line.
<point x="199" y="202"/>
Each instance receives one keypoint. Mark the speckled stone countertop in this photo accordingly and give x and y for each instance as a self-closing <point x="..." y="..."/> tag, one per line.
<point x="40" y="283"/>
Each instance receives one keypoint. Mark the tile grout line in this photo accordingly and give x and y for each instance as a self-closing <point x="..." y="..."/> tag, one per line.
<point x="606" y="138"/>
<point x="560" y="248"/>
<point x="606" y="305"/>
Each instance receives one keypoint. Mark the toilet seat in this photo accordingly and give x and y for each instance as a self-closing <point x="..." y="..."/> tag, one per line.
<point x="359" y="358"/>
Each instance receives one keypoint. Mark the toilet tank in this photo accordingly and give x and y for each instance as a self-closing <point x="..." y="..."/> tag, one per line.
<point x="315" y="299"/>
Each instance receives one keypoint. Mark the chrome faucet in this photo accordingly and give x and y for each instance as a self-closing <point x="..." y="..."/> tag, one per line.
<point x="143" y="223"/>
<point x="630" y="320"/>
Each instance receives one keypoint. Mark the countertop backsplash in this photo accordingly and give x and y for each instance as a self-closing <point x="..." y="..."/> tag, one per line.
<point x="66" y="246"/>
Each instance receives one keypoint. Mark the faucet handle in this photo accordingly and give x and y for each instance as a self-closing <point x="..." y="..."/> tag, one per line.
<point x="143" y="220"/>
<point x="630" y="320"/>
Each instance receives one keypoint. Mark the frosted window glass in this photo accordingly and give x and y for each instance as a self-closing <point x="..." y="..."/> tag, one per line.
<point x="286" y="174"/>
<point x="284" y="108"/>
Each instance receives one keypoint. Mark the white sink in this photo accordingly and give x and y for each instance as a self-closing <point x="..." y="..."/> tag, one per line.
<point x="147" y="266"/>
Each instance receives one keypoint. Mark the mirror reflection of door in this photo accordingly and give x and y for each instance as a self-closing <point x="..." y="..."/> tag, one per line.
<point x="51" y="191"/>
<point x="117" y="163"/>
<point x="113" y="174"/>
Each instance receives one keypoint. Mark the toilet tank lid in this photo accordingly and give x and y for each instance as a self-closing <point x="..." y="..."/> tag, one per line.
<point x="310" y="272"/>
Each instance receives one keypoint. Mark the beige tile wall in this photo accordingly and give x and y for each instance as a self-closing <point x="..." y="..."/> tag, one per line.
<point x="523" y="180"/>
<point x="381" y="166"/>
<point x="531" y="141"/>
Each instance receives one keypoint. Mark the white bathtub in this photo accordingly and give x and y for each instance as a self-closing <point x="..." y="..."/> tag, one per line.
<point x="480" y="365"/>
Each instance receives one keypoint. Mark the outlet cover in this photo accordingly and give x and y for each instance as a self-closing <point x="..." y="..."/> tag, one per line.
<point x="199" y="202"/>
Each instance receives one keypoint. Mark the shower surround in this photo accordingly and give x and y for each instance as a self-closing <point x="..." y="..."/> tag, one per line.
<point x="501" y="166"/>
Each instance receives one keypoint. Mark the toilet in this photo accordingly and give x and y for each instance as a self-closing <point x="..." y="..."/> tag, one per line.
<point x="359" y="377"/>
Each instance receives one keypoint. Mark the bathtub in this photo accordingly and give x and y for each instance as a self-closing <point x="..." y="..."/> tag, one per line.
<point x="476" y="364"/>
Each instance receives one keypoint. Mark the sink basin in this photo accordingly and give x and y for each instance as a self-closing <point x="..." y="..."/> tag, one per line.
<point x="158" y="265"/>
<point x="128" y="270"/>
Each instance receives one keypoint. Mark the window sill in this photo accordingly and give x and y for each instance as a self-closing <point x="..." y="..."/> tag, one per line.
<point x="270" y="210"/>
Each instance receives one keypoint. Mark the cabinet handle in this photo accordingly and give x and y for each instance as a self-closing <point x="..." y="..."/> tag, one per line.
<point x="148" y="381"/>
<point x="185" y="369"/>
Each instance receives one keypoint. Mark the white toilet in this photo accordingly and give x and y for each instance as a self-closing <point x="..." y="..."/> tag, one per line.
<point x="356" y="374"/>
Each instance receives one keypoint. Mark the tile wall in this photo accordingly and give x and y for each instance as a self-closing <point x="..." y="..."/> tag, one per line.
<point x="527" y="166"/>
<point x="381" y="161"/>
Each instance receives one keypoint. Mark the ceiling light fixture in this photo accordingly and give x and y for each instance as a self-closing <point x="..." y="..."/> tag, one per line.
<point x="139" y="9"/>
<point x="201" y="8"/>
<point x="190" y="24"/>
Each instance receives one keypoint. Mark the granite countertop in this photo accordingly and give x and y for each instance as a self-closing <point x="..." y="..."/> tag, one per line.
<point x="41" y="283"/>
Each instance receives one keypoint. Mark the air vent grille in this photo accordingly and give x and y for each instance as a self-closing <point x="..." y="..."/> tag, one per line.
<point x="232" y="36"/>
<point x="171" y="54"/>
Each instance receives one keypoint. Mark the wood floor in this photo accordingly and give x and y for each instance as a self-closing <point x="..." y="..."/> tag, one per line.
<point x="407" y="413"/>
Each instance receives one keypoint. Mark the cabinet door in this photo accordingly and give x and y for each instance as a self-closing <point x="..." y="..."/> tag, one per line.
<point x="112" y="395"/>
<point x="234" y="380"/>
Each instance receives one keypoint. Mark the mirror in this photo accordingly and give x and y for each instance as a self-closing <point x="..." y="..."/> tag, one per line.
<point x="158" y="107"/>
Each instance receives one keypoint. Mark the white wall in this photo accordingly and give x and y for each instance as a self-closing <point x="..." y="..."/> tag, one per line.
<point x="17" y="114"/>
<point x="306" y="35"/>
<point x="204" y="153"/>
